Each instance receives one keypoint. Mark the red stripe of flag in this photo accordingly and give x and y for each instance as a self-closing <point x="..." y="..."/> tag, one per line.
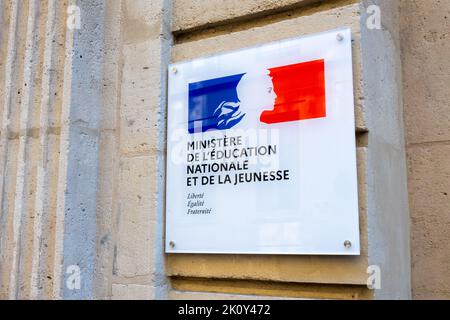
<point x="300" y="90"/>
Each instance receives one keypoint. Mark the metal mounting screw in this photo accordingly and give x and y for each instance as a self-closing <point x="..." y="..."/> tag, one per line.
<point x="339" y="37"/>
<point x="172" y="244"/>
<point x="174" y="70"/>
<point x="347" y="244"/>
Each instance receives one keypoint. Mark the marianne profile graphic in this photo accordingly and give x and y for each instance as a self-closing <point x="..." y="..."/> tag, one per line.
<point x="283" y="94"/>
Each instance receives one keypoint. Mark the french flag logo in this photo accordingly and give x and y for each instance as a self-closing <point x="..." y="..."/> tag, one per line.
<point x="277" y="95"/>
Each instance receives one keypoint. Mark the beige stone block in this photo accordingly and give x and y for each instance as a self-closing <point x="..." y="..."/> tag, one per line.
<point x="140" y="97"/>
<point x="191" y="14"/>
<point x="295" y="269"/>
<point x="361" y="158"/>
<point x="429" y="188"/>
<point x="132" y="292"/>
<point x="186" y="295"/>
<point x="142" y="20"/>
<point x="136" y="220"/>
<point x="106" y="209"/>
<point x="27" y="199"/>
<point x="425" y="34"/>
<point x="242" y="289"/>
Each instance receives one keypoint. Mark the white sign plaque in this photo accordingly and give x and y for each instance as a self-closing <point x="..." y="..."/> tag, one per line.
<point x="261" y="154"/>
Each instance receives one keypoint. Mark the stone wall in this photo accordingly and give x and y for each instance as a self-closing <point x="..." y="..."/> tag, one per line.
<point x="33" y="64"/>
<point x="82" y="148"/>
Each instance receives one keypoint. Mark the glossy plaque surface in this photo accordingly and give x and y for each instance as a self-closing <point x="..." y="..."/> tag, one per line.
<point x="261" y="155"/>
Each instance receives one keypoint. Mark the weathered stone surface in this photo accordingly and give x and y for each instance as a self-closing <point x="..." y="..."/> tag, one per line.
<point x="211" y="288"/>
<point x="142" y="20"/>
<point x="429" y="187"/>
<point x="388" y="212"/>
<point x="425" y="43"/>
<point x="140" y="97"/>
<point x="132" y="292"/>
<point x="135" y="236"/>
<point x="113" y="90"/>
<point x="279" y="268"/>
<point x="425" y="33"/>
<point x="190" y="14"/>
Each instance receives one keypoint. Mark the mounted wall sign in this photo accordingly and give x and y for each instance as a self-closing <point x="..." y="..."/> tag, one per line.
<point x="261" y="150"/>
